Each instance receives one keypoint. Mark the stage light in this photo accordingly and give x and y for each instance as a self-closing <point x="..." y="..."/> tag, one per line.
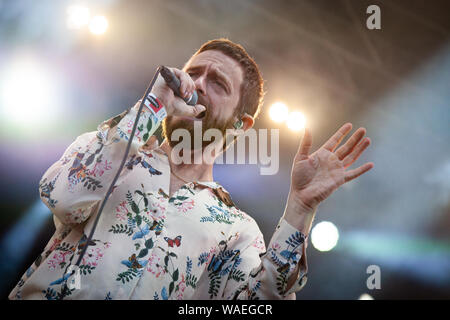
<point x="296" y="121"/>
<point x="98" y="25"/>
<point x="28" y="93"/>
<point x="77" y="17"/>
<point x="278" y="112"/>
<point x="365" y="296"/>
<point x="324" y="236"/>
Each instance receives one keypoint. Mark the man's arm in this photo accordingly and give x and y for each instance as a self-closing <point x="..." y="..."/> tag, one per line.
<point x="275" y="272"/>
<point x="73" y="186"/>
<point x="282" y="269"/>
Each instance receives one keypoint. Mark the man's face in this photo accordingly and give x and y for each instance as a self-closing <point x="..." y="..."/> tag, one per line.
<point x="217" y="79"/>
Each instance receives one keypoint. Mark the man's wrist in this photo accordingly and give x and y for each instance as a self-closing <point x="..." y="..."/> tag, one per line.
<point x="298" y="214"/>
<point x="155" y="106"/>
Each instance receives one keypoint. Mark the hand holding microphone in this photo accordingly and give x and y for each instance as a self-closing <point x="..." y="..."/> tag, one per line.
<point x="176" y="90"/>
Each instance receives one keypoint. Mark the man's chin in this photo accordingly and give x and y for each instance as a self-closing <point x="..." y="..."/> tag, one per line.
<point x="195" y="127"/>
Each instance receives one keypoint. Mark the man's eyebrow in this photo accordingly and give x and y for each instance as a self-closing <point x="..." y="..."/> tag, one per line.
<point x="194" y="68"/>
<point x="215" y="72"/>
<point x="221" y="76"/>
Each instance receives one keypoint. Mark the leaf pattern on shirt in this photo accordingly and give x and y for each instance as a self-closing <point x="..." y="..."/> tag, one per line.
<point x="138" y="227"/>
<point x="191" y="279"/>
<point x="46" y="188"/>
<point x="62" y="258"/>
<point x="221" y="264"/>
<point x="223" y="215"/>
<point x="88" y="166"/>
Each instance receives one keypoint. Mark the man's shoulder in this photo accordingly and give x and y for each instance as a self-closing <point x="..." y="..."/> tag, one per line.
<point x="224" y="199"/>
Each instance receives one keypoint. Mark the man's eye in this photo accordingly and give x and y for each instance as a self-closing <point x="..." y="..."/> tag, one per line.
<point x="220" y="84"/>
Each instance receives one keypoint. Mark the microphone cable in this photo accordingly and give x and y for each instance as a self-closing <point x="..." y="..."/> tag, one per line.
<point x="111" y="187"/>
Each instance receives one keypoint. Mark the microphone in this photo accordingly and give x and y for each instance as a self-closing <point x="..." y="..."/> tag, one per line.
<point x="174" y="83"/>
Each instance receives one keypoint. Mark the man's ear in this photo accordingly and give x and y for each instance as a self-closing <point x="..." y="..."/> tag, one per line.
<point x="243" y="124"/>
<point x="248" y="122"/>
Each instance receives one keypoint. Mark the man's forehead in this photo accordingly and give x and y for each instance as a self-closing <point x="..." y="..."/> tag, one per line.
<point x="216" y="60"/>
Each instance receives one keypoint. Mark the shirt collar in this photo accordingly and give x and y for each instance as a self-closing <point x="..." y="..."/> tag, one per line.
<point x="219" y="191"/>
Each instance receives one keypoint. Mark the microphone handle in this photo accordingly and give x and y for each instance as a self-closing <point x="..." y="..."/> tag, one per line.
<point x="174" y="83"/>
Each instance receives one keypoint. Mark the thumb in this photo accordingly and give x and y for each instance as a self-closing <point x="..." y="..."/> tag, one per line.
<point x="199" y="108"/>
<point x="305" y="146"/>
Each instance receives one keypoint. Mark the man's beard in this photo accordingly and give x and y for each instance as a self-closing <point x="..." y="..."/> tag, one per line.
<point x="172" y="123"/>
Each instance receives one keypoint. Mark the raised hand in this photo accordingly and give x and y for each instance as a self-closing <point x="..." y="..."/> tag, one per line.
<point x="315" y="176"/>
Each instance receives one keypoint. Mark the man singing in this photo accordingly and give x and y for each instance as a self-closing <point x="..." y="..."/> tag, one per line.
<point x="168" y="230"/>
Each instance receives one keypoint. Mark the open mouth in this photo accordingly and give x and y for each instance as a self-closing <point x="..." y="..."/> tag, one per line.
<point x="201" y="115"/>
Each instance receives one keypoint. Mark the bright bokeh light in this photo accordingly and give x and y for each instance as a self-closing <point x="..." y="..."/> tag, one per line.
<point x="278" y="112"/>
<point x="77" y="17"/>
<point x="365" y="296"/>
<point x="98" y="25"/>
<point x="296" y="121"/>
<point x="324" y="236"/>
<point x="28" y="93"/>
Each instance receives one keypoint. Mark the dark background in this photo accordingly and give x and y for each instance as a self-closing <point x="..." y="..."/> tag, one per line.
<point x="319" y="58"/>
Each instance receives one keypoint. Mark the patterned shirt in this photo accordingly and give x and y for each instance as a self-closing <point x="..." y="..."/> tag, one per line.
<point x="195" y="244"/>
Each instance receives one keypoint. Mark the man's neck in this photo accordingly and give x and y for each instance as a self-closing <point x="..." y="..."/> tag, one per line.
<point x="190" y="172"/>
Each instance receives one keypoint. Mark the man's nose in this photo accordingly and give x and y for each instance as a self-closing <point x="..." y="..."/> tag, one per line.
<point x="200" y="85"/>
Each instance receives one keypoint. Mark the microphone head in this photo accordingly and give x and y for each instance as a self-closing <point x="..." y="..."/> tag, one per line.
<point x="174" y="83"/>
<point x="170" y="78"/>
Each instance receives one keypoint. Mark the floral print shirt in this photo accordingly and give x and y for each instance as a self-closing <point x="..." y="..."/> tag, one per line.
<point x="195" y="244"/>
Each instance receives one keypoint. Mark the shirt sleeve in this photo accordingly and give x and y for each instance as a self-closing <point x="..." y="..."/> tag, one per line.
<point x="272" y="274"/>
<point x="73" y="187"/>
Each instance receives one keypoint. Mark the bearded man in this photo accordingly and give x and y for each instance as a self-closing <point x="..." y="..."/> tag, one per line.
<point x="169" y="231"/>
